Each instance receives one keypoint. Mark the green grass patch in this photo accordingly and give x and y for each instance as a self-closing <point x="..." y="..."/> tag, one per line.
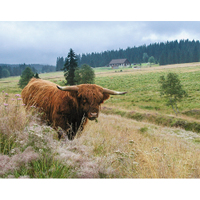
<point x="45" y="167"/>
<point x="143" y="89"/>
<point x="143" y="129"/>
<point x="7" y="143"/>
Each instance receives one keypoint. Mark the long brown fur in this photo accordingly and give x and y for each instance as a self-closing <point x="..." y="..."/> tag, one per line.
<point x="62" y="108"/>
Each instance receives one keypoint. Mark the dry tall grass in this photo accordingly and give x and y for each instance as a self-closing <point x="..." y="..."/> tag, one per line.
<point x="139" y="150"/>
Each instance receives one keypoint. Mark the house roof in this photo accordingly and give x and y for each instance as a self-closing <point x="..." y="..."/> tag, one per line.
<point x="118" y="61"/>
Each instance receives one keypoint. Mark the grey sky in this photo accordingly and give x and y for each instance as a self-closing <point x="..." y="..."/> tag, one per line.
<point x="42" y="42"/>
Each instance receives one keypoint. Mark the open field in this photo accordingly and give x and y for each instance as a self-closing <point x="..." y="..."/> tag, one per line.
<point x="112" y="147"/>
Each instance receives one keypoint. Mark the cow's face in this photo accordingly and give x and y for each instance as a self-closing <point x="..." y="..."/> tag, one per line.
<point x="90" y="98"/>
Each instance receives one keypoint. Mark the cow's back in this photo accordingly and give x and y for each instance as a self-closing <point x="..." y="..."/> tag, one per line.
<point x="46" y="96"/>
<point x="38" y="93"/>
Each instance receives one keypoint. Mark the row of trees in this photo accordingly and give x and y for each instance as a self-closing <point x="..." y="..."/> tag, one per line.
<point x="16" y="70"/>
<point x="173" y="52"/>
<point x="7" y="70"/>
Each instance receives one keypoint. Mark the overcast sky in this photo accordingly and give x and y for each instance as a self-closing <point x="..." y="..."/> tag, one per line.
<point x="42" y="42"/>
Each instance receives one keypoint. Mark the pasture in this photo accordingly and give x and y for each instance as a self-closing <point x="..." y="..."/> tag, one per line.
<point x="115" y="146"/>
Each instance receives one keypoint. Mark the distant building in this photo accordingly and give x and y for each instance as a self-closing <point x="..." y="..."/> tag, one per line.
<point x="115" y="63"/>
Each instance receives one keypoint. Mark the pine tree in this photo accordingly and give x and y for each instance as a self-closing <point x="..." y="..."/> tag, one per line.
<point x="27" y="74"/>
<point x="163" y="58"/>
<point x="69" y="67"/>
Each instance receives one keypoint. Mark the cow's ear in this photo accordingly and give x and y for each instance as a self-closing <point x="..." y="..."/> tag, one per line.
<point x="105" y="96"/>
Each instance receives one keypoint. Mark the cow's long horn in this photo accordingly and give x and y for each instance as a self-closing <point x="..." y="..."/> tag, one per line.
<point x="108" y="91"/>
<point x="68" y="88"/>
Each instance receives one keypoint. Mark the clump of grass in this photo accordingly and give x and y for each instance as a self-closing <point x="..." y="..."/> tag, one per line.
<point x="143" y="129"/>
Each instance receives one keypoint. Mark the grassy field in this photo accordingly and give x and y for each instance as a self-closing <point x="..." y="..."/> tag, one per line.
<point x="143" y="89"/>
<point x="118" y="145"/>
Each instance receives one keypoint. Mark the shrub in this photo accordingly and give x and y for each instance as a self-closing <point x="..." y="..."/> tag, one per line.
<point x="84" y="75"/>
<point x="172" y="90"/>
<point x="27" y="74"/>
<point x="143" y="129"/>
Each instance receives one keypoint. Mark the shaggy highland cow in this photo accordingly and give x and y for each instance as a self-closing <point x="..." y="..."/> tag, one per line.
<point x="67" y="107"/>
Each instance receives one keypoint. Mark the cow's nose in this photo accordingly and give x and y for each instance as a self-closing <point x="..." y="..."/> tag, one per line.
<point x="94" y="114"/>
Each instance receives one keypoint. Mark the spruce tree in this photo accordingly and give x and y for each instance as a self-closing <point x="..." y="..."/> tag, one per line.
<point x="69" y="68"/>
<point x="163" y="58"/>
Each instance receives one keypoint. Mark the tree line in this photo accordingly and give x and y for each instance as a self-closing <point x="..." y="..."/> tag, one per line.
<point x="7" y="70"/>
<point x="174" y="52"/>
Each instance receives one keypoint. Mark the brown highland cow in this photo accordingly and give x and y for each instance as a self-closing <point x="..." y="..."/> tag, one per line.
<point x="67" y="107"/>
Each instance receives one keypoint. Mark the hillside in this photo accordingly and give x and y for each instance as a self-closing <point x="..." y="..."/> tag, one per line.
<point x="121" y="144"/>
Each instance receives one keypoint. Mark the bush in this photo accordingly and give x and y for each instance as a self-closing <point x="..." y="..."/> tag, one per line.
<point x="27" y="74"/>
<point x="5" y="73"/>
<point x="84" y="75"/>
<point x="172" y="90"/>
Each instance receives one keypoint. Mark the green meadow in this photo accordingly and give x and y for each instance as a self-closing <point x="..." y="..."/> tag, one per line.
<point x="144" y="90"/>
